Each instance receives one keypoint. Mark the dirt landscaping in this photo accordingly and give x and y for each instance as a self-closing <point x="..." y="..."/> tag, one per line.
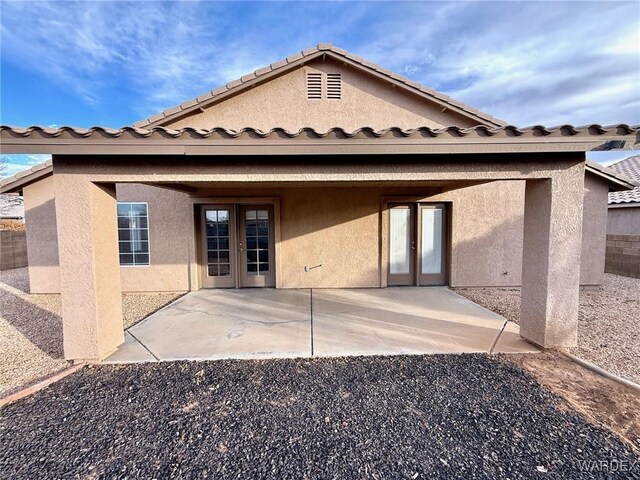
<point x="31" y="329"/>
<point x="600" y="400"/>
<point x="609" y="321"/>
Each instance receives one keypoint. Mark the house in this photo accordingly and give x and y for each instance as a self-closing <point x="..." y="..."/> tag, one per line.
<point x="623" y="223"/>
<point x="623" y="217"/>
<point x="321" y="170"/>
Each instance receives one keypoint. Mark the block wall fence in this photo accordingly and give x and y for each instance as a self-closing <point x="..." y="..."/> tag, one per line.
<point x="13" y="249"/>
<point x="623" y="255"/>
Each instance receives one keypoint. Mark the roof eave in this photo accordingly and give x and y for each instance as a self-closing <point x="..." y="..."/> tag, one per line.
<point x="17" y="182"/>
<point x="617" y="182"/>
<point x="307" y="141"/>
<point x="628" y="204"/>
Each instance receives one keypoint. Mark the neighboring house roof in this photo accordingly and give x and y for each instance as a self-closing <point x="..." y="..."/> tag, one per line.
<point x="294" y="61"/>
<point x="631" y="168"/>
<point x="17" y="182"/>
<point x="617" y="182"/>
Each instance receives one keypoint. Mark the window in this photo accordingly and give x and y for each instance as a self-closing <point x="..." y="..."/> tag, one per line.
<point x="133" y="233"/>
<point x="218" y="243"/>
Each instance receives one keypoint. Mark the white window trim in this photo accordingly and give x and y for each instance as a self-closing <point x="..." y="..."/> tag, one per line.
<point x="148" y="235"/>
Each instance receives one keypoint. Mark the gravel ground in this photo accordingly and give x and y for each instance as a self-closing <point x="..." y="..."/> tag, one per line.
<point x="364" y="417"/>
<point x="30" y="333"/>
<point x="609" y="321"/>
<point x="136" y="306"/>
<point x="31" y="329"/>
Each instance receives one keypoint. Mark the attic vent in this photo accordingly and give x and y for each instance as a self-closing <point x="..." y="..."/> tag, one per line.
<point x="334" y="86"/>
<point x="314" y="86"/>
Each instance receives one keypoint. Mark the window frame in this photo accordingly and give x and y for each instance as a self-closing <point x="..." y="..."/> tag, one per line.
<point x="148" y="228"/>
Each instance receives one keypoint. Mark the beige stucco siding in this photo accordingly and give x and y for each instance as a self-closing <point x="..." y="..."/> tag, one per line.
<point x="623" y="221"/>
<point x="316" y="228"/>
<point x="594" y="230"/>
<point x="338" y="227"/>
<point x="282" y="102"/>
<point x="170" y="240"/>
<point x="486" y="234"/>
<point x="170" y="231"/>
<point x="42" y="236"/>
<point x="335" y="226"/>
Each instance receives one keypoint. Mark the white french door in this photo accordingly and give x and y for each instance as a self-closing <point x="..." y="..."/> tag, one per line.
<point x="417" y="244"/>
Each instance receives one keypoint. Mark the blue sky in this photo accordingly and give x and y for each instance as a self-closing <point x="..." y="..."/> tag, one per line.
<point x="112" y="63"/>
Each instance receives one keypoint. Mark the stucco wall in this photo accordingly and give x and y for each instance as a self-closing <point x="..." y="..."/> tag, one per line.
<point x="170" y="240"/>
<point x="366" y="101"/>
<point x="623" y="221"/>
<point x="317" y="228"/>
<point x="486" y="236"/>
<point x="594" y="230"/>
<point x="340" y="229"/>
<point x="42" y="236"/>
<point x="170" y="228"/>
<point x="335" y="227"/>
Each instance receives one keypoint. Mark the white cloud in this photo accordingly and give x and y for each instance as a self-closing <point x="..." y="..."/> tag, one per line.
<point x="607" y="158"/>
<point x="163" y="52"/>
<point x="526" y="62"/>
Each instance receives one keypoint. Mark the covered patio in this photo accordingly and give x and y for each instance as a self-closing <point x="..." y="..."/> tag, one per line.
<point x="329" y="194"/>
<point x="272" y="323"/>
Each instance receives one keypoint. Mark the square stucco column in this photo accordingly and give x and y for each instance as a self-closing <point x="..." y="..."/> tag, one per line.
<point x="551" y="258"/>
<point x="89" y="267"/>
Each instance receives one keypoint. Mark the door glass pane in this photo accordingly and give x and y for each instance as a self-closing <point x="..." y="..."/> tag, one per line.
<point x="257" y="241"/>
<point x="217" y="229"/>
<point x="431" y="240"/>
<point x="399" y="241"/>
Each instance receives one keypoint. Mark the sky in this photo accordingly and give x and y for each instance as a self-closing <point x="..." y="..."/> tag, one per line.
<point x="112" y="63"/>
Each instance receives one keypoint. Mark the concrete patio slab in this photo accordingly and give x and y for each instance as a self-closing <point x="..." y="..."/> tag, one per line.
<point x="131" y="351"/>
<point x="407" y="320"/>
<point x="270" y="323"/>
<point x="222" y="324"/>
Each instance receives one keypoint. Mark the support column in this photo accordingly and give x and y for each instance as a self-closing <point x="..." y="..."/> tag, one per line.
<point x="89" y="267"/>
<point x="551" y="258"/>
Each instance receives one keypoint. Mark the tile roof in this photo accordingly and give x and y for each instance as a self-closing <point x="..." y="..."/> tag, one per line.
<point x="28" y="176"/>
<point x="299" y="58"/>
<point x="617" y="181"/>
<point x="307" y="141"/>
<point x="629" y="167"/>
<point x="535" y="131"/>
